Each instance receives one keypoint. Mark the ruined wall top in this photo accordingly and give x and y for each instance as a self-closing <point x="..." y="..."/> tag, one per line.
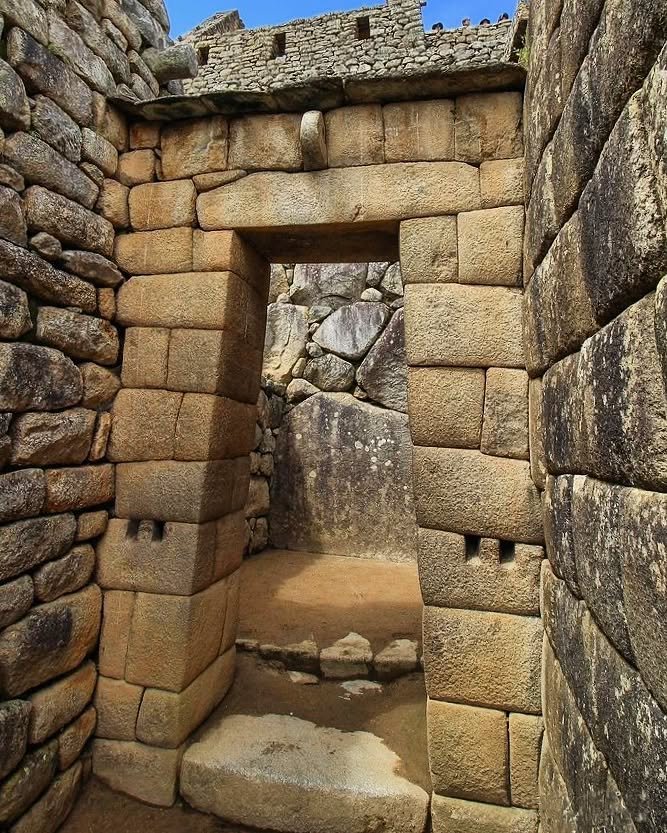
<point x="368" y="43"/>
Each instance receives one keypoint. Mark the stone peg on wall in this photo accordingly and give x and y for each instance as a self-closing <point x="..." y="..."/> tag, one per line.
<point x="172" y="64"/>
<point x="313" y="141"/>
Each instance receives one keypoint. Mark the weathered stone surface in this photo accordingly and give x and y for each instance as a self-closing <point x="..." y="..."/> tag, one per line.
<point x="43" y="439"/>
<point x="94" y="267"/>
<point x="39" y="278"/>
<point x="72" y="739"/>
<point x="383" y="373"/>
<point x="12" y="221"/>
<point x="348" y="658"/>
<point x="172" y="64"/>
<point x="84" y="21"/>
<point x="15" y="600"/>
<point x="14" y="107"/>
<point x="15" y="317"/>
<point x="117" y="704"/>
<point x="265" y="143"/>
<point x="145" y="357"/>
<point x="312" y="136"/>
<point x="136" y="167"/>
<point x="78" y="488"/>
<point x="70" y="48"/>
<point x="327" y="284"/>
<point x="450" y="324"/>
<point x="162" y="205"/>
<point x="11" y="178"/>
<point x="357" y="767"/>
<point x="14" y="715"/>
<point x="155" y="252"/>
<point x="452" y="815"/>
<point x="258" y="498"/>
<point x="145" y="772"/>
<point x="99" y="151"/>
<point x="67" y="220"/>
<point x="21" y="494"/>
<point x="46" y="245"/>
<point x="46" y="74"/>
<point x="56" y="705"/>
<point x="144" y="426"/>
<point x="100" y="385"/>
<point x="194" y="147"/>
<point x="556" y="811"/>
<point x="395" y="659"/>
<point x="351" y="330"/>
<point x="418" y="131"/>
<point x="27" y="543"/>
<point x="329" y="373"/>
<point x="479" y="575"/>
<point x="446" y="406"/>
<point x="113" y="203"/>
<point x="55" y="127"/>
<point x="52" y="639"/>
<point x="501" y="182"/>
<point x="116" y="623"/>
<point x="54" y="806"/>
<point x="285" y="341"/>
<point x="21" y="789"/>
<point x="298" y="390"/>
<point x="341" y="196"/>
<point x="490" y="245"/>
<point x="354" y="473"/>
<point x="91" y="525"/>
<point x="82" y="336"/>
<point x="66" y="574"/>
<point x="482" y="658"/>
<point x="525" y="739"/>
<point x="354" y="136"/>
<point x="468" y="752"/>
<point x="505" y="429"/>
<point x="488" y="126"/>
<point x="472" y="493"/>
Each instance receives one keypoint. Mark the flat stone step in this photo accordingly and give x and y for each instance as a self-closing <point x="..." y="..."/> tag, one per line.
<point x="283" y="773"/>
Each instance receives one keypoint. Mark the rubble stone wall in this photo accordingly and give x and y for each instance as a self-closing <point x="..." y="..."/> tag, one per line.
<point x="66" y="157"/>
<point x="594" y="329"/>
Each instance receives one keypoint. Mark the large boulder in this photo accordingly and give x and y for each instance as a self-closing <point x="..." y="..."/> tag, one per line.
<point x="285" y="342"/>
<point x="342" y="482"/>
<point x="352" y="330"/>
<point x="383" y="374"/>
<point x="331" y="284"/>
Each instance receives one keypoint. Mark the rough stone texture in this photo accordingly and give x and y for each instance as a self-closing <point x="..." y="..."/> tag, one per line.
<point x="419" y="131"/>
<point x="505" y="429"/>
<point x="155" y="252"/>
<point x="78" y="488"/>
<point x="351" y="330"/>
<point x="145" y="357"/>
<point x="145" y="772"/>
<point x="525" y="737"/>
<point x="489" y="246"/>
<point x="383" y="373"/>
<point x="23" y="786"/>
<point x="501" y="182"/>
<point x="488" y="126"/>
<point x="65" y="575"/>
<point x="12" y="221"/>
<point x="195" y="147"/>
<point x="72" y="739"/>
<point x="329" y="373"/>
<point x="67" y="220"/>
<point x="94" y="267"/>
<point x="54" y="806"/>
<point x="446" y="405"/>
<point x="327" y="284"/>
<point x="15" y="319"/>
<point x="451" y="815"/>
<point x="347" y="658"/>
<point x="21" y="494"/>
<point x="100" y="385"/>
<point x="162" y="205"/>
<point x="16" y="599"/>
<point x="355" y="136"/>
<point x="54" y="126"/>
<point x="117" y="704"/>
<point x="264" y="143"/>
<point x="364" y="476"/>
<point x="14" y="715"/>
<point x="25" y="544"/>
<point x="52" y="439"/>
<point x="468" y="751"/>
<point x="14" y="107"/>
<point x="227" y="773"/>
<point x="285" y="341"/>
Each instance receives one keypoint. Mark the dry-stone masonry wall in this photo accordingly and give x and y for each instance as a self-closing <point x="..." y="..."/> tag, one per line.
<point x="66" y="160"/>
<point x="594" y="323"/>
<point x="375" y="42"/>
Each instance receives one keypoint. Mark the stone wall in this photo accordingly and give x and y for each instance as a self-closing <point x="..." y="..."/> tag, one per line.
<point x="594" y="314"/>
<point x="337" y="46"/>
<point x="66" y="161"/>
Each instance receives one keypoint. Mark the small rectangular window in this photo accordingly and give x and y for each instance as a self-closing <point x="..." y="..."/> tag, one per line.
<point x="363" y="28"/>
<point x="279" y="45"/>
<point x="202" y="55"/>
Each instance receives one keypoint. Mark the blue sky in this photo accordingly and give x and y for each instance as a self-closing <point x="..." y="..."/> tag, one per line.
<point x="187" y="13"/>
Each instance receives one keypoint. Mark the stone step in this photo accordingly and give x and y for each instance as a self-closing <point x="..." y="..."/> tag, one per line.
<point x="325" y="758"/>
<point x="288" y="597"/>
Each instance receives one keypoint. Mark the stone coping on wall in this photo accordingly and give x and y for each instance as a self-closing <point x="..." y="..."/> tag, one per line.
<point x="328" y="93"/>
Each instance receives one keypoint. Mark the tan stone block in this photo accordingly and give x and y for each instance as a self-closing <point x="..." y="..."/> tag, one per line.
<point x="452" y="815"/>
<point x="116" y="622"/>
<point x="445" y="405"/>
<point x="201" y="300"/>
<point x="144" y="134"/>
<point x="212" y="427"/>
<point x="468" y="751"/>
<point x="174" y="638"/>
<point x="160" y="205"/>
<point x="194" y="147"/>
<point x="167" y="718"/>
<point x="141" y="771"/>
<point x="79" y="487"/>
<point x="155" y="252"/>
<point x="222" y="251"/>
<point x="106" y="303"/>
<point x="176" y="491"/>
<point x="501" y="182"/>
<point x="505" y="430"/>
<point x="479" y="573"/>
<point x="177" y="559"/>
<point x="145" y="356"/>
<point x="213" y="361"/>
<point x="207" y="182"/>
<point x="483" y="658"/>
<point x="230" y="542"/>
<point x="232" y="613"/>
<point x="538" y="463"/>
<point x="55" y="705"/>
<point x="341" y="196"/>
<point x="488" y="126"/>
<point x="354" y="136"/>
<point x="136" y="167"/>
<point x="117" y="704"/>
<point x="525" y="745"/>
<point x="98" y="448"/>
<point x="144" y="425"/>
<point x="490" y="245"/>
<point x="113" y="203"/>
<point x="464" y="326"/>
<point x="265" y="143"/>
<point x="91" y="524"/>
<point x="72" y="739"/>
<point x="472" y="493"/>
<point x="429" y="250"/>
<point x="416" y="131"/>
